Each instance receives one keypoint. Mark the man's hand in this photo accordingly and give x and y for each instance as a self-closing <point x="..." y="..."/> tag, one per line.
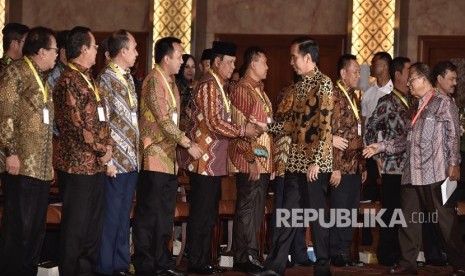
<point x="12" y="164"/>
<point x="370" y="150"/>
<point x="312" y="172"/>
<point x="106" y="158"/>
<point x="454" y="173"/>
<point x="254" y="175"/>
<point x="252" y="131"/>
<point x="335" y="179"/>
<point x="364" y="176"/>
<point x="340" y="143"/>
<point x="195" y="151"/>
<point x="111" y="170"/>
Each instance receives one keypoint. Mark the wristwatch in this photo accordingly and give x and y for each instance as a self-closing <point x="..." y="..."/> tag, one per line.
<point x="251" y="161"/>
<point x="189" y="145"/>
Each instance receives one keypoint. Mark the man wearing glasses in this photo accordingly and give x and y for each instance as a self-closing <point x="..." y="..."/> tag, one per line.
<point x="432" y="148"/>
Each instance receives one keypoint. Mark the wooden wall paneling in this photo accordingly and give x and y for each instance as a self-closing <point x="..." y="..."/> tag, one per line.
<point x="277" y="49"/>
<point x="433" y="48"/>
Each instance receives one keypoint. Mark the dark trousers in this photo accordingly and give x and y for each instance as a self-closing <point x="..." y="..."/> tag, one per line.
<point x="433" y="247"/>
<point x="250" y="209"/>
<point x="114" y="250"/>
<point x="298" y="250"/>
<point x="81" y="222"/>
<point x="153" y="221"/>
<point x="345" y="196"/>
<point x="388" y="251"/>
<point x="23" y="224"/>
<point x="203" y="209"/>
<point x="298" y="192"/>
<point x="415" y="199"/>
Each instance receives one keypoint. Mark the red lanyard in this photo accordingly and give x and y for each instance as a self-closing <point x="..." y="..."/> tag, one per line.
<point x="422" y="107"/>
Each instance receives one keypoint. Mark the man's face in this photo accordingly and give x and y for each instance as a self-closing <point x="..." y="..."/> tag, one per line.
<point x="260" y="68"/>
<point x="300" y="62"/>
<point x="403" y="76"/>
<point x="91" y="52"/>
<point x="130" y="53"/>
<point x="416" y="83"/>
<point x="51" y="54"/>
<point x="447" y="83"/>
<point x="204" y="66"/>
<point x="226" y="66"/>
<point x="378" y="66"/>
<point x="174" y="60"/>
<point x="351" y="74"/>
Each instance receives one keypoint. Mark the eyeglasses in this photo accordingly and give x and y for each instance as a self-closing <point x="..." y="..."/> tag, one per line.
<point x="55" y="49"/>
<point x="411" y="79"/>
<point x="95" y="46"/>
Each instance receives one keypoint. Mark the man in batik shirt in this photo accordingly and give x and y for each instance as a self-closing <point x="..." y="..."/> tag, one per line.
<point x="158" y="185"/>
<point x="432" y="147"/>
<point x="14" y="35"/>
<point x="26" y="116"/>
<point x="310" y="158"/>
<point x="84" y="148"/>
<point x="212" y="129"/>
<point x="390" y="118"/>
<point x="117" y="87"/>
<point x="348" y="163"/>
<point x="250" y="159"/>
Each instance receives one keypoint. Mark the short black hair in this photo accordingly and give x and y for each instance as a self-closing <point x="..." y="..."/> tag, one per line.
<point x="422" y="69"/>
<point x="37" y="38"/>
<point x="117" y="41"/>
<point x="308" y="45"/>
<point x="78" y="37"/>
<point x="343" y="62"/>
<point x="441" y="68"/>
<point x="250" y="54"/>
<point x="397" y="65"/>
<point x="62" y="38"/>
<point x="384" y="56"/>
<point x="13" y="31"/>
<point x="164" y="47"/>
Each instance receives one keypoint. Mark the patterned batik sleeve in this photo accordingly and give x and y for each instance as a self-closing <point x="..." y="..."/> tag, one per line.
<point x="8" y="108"/>
<point x="449" y="113"/>
<point x="209" y="106"/>
<point x="243" y="106"/>
<point x="159" y="106"/>
<point x="337" y="117"/>
<point x="377" y="122"/>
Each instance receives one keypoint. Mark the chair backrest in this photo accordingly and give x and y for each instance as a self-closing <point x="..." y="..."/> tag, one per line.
<point x="228" y="188"/>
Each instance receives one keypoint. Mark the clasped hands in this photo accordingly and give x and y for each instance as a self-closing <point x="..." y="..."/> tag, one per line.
<point x="254" y="128"/>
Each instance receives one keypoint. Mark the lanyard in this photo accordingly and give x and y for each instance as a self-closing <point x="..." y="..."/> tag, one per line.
<point x="352" y="104"/>
<point x="225" y="100"/>
<point x="123" y="80"/>
<point x="400" y="97"/>
<point x="265" y="104"/>
<point x="43" y="88"/>
<point x="93" y="87"/>
<point x="421" y="108"/>
<point x="167" y="85"/>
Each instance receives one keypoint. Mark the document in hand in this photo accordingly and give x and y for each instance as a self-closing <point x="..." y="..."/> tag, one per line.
<point x="447" y="189"/>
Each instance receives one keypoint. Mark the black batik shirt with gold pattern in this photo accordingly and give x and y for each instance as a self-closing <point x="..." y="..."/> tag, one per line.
<point x="309" y="124"/>
<point x="22" y="128"/>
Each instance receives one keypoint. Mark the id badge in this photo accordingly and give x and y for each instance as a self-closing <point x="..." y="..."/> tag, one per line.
<point x="359" y="129"/>
<point x="46" y="115"/>
<point x="269" y="120"/>
<point x="101" y="114"/>
<point x="175" y="117"/>
<point x="134" y="118"/>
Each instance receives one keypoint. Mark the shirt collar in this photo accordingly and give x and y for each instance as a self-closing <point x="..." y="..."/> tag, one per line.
<point x="81" y="68"/>
<point x="253" y="82"/>
<point x="387" y="88"/>
<point x="311" y="73"/>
